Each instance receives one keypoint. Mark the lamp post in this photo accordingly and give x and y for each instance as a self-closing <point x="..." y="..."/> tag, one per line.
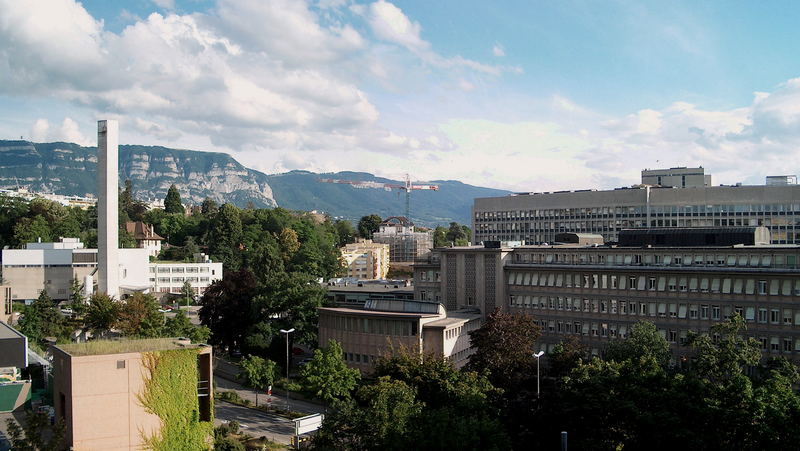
<point x="537" y="355"/>
<point x="287" y="332"/>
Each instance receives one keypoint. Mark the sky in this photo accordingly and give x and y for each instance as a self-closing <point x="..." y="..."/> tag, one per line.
<point x="518" y="95"/>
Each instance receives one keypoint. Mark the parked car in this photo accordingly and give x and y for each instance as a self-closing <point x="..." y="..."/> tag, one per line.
<point x="304" y="361"/>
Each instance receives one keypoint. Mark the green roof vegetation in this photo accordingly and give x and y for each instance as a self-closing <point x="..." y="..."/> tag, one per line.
<point x="100" y="347"/>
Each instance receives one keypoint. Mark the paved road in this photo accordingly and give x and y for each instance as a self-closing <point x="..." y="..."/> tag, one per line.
<point x="255" y="422"/>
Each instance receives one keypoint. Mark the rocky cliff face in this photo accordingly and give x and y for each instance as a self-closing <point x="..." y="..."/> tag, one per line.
<point x="66" y="168"/>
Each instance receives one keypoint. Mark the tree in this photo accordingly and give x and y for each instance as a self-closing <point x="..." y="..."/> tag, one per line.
<point x="368" y="225"/>
<point x="328" y="376"/>
<point x="76" y="300"/>
<point x="102" y="314"/>
<point x="566" y="356"/>
<point x="457" y="235"/>
<point x="36" y="435"/>
<point x="226" y="236"/>
<point x="172" y="202"/>
<point x="227" y="308"/>
<point x="289" y="244"/>
<point x="380" y="419"/>
<point x="345" y="233"/>
<point x="42" y="319"/>
<point x="440" y="237"/>
<point x="257" y="372"/>
<point x="504" y="347"/>
<point x="30" y="230"/>
<point x="180" y="326"/>
<point x="643" y="341"/>
<point x="139" y="316"/>
<point x="209" y="207"/>
<point x="187" y="293"/>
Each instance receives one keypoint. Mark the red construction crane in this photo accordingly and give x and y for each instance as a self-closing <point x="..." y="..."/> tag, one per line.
<point x="408" y="186"/>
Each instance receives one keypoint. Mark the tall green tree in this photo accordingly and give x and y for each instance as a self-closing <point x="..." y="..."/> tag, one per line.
<point x="345" y="233"/>
<point x="504" y="347"/>
<point x="101" y="315"/>
<point x="257" y="372"/>
<point x="327" y="375"/>
<point x="226" y="236"/>
<point x="32" y="229"/>
<point x="172" y="202"/>
<point x="139" y="316"/>
<point x="180" y="326"/>
<point x="42" y="319"/>
<point x="368" y="225"/>
<point x="209" y="207"/>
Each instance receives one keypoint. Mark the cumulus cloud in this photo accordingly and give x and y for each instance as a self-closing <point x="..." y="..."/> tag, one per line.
<point x="68" y="131"/>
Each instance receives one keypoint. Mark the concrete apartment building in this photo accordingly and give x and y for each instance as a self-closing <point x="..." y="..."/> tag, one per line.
<point x="98" y="388"/>
<point x="684" y="198"/>
<point x="384" y="325"/>
<point x="53" y="266"/>
<point x="597" y="293"/>
<point x="405" y="243"/>
<point x="366" y="259"/>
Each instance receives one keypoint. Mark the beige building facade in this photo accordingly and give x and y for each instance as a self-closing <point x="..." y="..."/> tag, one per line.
<point x="405" y="243"/>
<point x="596" y="293"/>
<point x="98" y="387"/>
<point x="366" y="259"/>
<point x="385" y="326"/>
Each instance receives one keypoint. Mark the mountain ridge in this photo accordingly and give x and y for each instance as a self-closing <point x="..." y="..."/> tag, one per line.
<point x="70" y="169"/>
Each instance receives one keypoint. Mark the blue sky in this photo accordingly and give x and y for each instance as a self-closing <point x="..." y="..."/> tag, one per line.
<point x="520" y="95"/>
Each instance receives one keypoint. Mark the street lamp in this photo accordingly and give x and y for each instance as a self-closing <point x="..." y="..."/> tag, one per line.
<point x="287" y="332"/>
<point x="537" y="355"/>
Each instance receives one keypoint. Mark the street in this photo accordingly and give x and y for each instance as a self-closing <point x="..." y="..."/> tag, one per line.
<point x="255" y="422"/>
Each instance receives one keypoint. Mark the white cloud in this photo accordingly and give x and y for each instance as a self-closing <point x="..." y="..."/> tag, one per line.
<point x="498" y="50"/>
<point x="69" y="131"/>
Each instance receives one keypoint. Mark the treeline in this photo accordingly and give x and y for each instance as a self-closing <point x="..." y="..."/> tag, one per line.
<point x="633" y="397"/>
<point x="137" y="317"/>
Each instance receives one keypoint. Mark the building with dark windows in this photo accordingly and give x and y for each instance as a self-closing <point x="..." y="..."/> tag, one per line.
<point x="405" y="242"/>
<point x="536" y="218"/>
<point x="597" y="293"/>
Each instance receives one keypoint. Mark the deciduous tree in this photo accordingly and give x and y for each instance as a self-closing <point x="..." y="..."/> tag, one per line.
<point x="368" y="225"/>
<point x="328" y="376"/>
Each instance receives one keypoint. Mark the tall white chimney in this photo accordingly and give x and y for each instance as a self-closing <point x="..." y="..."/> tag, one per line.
<point x="107" y="204"/>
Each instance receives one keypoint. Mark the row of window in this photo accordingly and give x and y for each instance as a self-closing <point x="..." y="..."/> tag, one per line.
<point x="726" y="285"/>
<point x="458" y="331"/>
<point x="180" y="269"/>
<point x="180" y="279"/>
<point x="638" y="210"/>
<point x="714" y="312"/>
<point x="370" y="325"/>
<point x="640" y="259"/>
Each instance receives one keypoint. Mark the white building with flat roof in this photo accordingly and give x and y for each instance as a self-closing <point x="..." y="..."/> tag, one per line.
<point x="53" y="266"/>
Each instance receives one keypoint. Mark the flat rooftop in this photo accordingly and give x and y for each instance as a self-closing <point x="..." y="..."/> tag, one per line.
<point x="370" y="288"/>
<point x="359" y="311"/>
<point x="101" y="347"/>
<point x="7" y="331"/>
<point x="454" y="318"/>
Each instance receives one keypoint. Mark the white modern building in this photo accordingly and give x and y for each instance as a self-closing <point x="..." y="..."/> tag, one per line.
<point x="53" y="266"/>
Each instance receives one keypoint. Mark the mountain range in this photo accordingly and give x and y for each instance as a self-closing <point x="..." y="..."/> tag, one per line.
<point x="70" y="169"/>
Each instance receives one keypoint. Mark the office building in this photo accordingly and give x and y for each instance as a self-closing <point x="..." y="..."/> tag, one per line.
<point x="677" y="177"/>
<point x="383" y="326"/>
<point x="366" y="260"/>
<point x="348" y="294"/>
<point x="597" y="293"/>
<point x="405" y="243"/>
<point x="53" y="266"/>
<point x="536" y="218"/>
<point x="99" y="391"/>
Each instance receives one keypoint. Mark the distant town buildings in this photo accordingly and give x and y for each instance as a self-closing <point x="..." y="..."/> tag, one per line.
<point x="100" y="388"/>
<point x="366" y="260"/>
<point x="52" y="267"/>
<point x="675" y="198"/>
<point x="67" y="201"/>
<point x="405" y="243"/>
<point x="596" y="293"/>
<point x="145" y="236"/>
<point x="383" y="326"/>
